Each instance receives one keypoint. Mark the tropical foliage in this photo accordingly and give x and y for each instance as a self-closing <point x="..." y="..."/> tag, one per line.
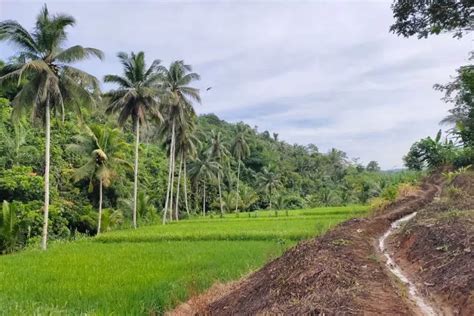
<point x="136" y="98"/>
<point x="139" y="151"/>
<point x="52" y="83"/>
<point x="425" y="18"/>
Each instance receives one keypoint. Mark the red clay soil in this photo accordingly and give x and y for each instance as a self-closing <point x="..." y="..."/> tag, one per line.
<point x="338" y="273"/>
<point x="436" y="248"/>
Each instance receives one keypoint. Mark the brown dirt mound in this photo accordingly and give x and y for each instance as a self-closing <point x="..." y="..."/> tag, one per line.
<point x="436" y="248"/>
<point x="338" y="273"/>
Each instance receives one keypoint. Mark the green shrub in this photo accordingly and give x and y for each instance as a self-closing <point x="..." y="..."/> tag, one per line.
<point x="464" y="158"/>
<point x="9" y="229"/>
<point x="390" y="193"/>
<point x="20" y="184"/>
<point x="378" y="204"/>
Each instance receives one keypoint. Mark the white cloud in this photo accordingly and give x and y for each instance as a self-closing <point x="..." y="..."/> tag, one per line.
<point x="324" y="72"/>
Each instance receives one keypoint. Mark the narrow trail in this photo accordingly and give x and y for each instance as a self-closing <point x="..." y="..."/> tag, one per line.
<point x="341" y="272"/>
<point x="423" y="306"/>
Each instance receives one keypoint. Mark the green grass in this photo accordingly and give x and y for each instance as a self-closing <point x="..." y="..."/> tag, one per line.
<point x="299" y="224"/>
<point x="151" y="269"/>
<point x="318" y="211"/>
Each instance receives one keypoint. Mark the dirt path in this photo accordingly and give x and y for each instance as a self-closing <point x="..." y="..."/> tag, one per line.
<point x="341" y="272"/>
<point x="422" y="305"/>
<point x="434" y="249"/>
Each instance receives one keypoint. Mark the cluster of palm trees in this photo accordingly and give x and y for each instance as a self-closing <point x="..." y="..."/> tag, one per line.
<point x="207" y="162"/>
<point x="144" y="95"/>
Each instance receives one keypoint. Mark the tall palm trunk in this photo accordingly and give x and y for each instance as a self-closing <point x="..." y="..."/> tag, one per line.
<point x="196" y="196"/>
<point x="100" y="207"/>
<point x="204" y="200"/>
<point x="270" y="197"/>
<point x="135" y="172"/>
<point x="237" y="190"/>
<point x="165" y="210"/>
<point x="185" y="186"/>
<point x="44" y="239"/>
<point x="220" y="194"/>
<point x="169" y="195"/>
<point x="173" y="166"/>
<point x="168" y="187"/>
<point x="177" y="190"/>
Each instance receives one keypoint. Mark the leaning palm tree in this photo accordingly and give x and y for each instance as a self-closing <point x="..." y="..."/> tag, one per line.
<point x="136" y="98"/>
<point x="176" y="105"/>
<point x="240" y="150"/>
<point x="219" y="152"/>
<point x="52" y="83"/>
<point x="104" y="150"/>
<point x="203" y="170"/>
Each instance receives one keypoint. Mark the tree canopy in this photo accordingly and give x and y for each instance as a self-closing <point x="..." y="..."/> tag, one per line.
<point x="423" y="18"/>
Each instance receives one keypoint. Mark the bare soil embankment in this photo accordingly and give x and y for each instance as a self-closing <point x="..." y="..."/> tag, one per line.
<point x="436" y="248"/>
<point x="341" y="272"/>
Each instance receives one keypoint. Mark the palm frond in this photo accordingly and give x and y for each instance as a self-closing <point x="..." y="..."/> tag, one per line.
<point x="28" y="96"/>
<point x="78" y="53"/>
<point x="84" y="171"/>
<point x="50" y="31"/>
<point x="15" y="33"/>
<point x="193" y="93"/>
<point x="83" y="78"/>
<point x="136" y="96"/>
<point x="153" y="68"/>
<point x="33" y="65"/>
<point x="123" y="82"/>
<point x="186" y="79"/>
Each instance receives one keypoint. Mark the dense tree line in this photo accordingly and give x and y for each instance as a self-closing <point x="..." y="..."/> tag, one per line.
<point x="78" y="160"/>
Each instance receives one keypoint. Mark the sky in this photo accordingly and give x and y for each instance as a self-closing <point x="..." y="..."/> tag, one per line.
<point x="322" y="72"/>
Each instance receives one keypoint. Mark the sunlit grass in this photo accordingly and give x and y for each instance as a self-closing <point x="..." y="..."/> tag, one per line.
<point x="317" y="211"/>
<point x="264" y="225"/>
<point x="153" y="268"/>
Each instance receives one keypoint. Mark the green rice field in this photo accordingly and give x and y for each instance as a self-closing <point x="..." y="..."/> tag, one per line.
<point x="152" y="269"/>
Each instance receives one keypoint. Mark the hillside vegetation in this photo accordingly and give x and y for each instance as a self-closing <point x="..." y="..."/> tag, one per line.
<point x="303" y="176"/>
<point x="88" y="161"/>
<point x="145" y="203"/>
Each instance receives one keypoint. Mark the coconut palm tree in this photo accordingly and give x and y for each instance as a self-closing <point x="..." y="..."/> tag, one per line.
<point x="136" y="98"/>
<point x="219" y="152"/>
<point x="240" y="150"/>
<point x="186" y="142"/>
<point x="105" y="151"/>
<point x="52" y="82"/>
<point x="184" y="147"/>
<point x="269" y="182"/>
<point x="176" y="104"/>
<point x="202" y="170"/>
